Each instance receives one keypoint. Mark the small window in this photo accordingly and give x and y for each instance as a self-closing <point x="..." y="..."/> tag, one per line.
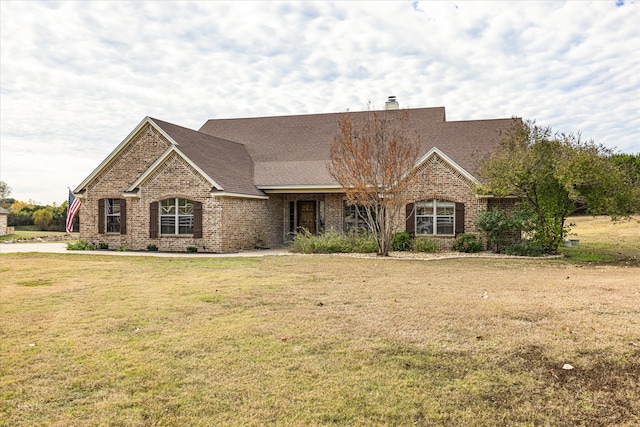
<point x="176" y="216"/>
<point x="435" y="217"/>
<point x="112" y="215"/>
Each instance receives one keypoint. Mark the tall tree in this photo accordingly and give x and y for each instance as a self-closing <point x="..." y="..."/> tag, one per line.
<point x="373" y="160"/>
<point x="553" y="174"/>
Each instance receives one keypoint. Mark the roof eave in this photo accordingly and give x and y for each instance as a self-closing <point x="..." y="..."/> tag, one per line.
<point x="239" y="195"/>
<point x="316" y="188"/>
<point x="453" y="164"/>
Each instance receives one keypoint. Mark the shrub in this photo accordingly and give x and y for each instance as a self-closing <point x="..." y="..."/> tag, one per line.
<point x="80" y="245"/>
<point x="103" y="245"/>
<point x="502" y="229"/>
<point x="152" y="248"/>
<point x="333" y="242"/>
<point x="467" y="243"/>
<point x="425" y="244"/>
<point x="192" y="249"/>
<point x="364" y="244"/>
<point x="525" y="248"/>
<point x="122" y="249"/>
<point x="401" y="241"/>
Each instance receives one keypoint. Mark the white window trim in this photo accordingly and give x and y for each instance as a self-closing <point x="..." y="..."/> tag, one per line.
<point x="176" y="217"/>
<point x="435" y="217"/>
<point x="107" y="215"/>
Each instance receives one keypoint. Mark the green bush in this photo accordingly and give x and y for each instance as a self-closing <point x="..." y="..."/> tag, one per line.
<point x="192" y="249"/>
<point x="525" y="248"/>
<point x="80" y="245"/>
<point x="333" y="242"/>
<point x="401" y="241"/>
<point x="467" y="243"/>
<point x="364" y="244"/>
<point x="500" y="228"/>
<point x="103" y="245"/>
<point x="122" y="249"/>
<point x="152" y="248"/>
<point x="425" y="244"/>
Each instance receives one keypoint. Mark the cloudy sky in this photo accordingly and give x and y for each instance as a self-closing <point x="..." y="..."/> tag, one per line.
<point x="77" y="77"/>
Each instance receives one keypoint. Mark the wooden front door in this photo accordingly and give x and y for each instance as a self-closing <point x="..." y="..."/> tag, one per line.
<point x="307" y="216"/>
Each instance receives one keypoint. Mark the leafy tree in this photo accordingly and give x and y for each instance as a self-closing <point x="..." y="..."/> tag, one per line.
<point x="5" y="190"/>
<point x="630" y="163"/>
<point x="59" y="219"/>
<point x="554" y="174"/>
<point x="42" y="218"/>
<point x="372" y="160"/>
<point x="19" y="205"/>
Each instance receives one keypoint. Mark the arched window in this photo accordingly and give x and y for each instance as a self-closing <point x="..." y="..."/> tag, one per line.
<point x="176" y="216"/>
<point x="435" y="217"/>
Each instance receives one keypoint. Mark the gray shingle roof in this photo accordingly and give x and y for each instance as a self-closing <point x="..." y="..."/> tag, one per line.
<point x="294" y="150"/>
<point x="226" y="162"/>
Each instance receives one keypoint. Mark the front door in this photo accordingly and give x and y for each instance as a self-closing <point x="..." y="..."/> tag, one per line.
<point x="307" y="216"/>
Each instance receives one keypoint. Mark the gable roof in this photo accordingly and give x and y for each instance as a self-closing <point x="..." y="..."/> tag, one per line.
<point x="294" y="150"/>
<point x="225" y="164"/>
<point x="244" y="156"/>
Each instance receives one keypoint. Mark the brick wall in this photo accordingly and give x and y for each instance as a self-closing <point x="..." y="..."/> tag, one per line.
<point x="228" y="223"/>
<point x="247" y="223"/>
<point x="439" y="180"/>
<point x="231" y="223"/>
<point x="143" y="149"/>
<point x="3" y="225"/>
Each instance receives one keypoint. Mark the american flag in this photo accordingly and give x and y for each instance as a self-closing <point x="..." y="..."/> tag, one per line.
<point x="72" y="210"/>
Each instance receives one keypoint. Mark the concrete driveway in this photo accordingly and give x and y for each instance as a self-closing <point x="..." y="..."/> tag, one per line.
<point x="61" y="248"/>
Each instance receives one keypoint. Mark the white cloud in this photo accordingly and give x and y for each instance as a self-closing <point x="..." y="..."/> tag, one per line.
<point x="76" y="77"/>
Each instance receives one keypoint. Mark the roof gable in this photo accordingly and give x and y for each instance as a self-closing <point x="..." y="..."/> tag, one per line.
<point x="160" y="161"/>
<point x="125" y="142"/>
<point x="224" y="164"/>
<point x="437" y="152"/>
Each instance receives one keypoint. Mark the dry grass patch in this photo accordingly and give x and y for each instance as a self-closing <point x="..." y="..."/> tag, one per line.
<point x="317" y="340"/>
<point x="605" y="241"/>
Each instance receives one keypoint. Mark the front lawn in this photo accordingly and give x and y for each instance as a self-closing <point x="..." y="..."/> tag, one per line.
<point x="317" y="340"/>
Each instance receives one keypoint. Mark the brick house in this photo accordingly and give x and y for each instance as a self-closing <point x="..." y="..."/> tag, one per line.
<point x="239" y="183"/>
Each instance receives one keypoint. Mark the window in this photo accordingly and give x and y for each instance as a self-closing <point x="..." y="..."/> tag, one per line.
<point x="435" y="217"/>
<point x="112" y="216"/>
<point x="355" y="218"/>
<point x="176" y="216"/>
<point x="112" y="212"/>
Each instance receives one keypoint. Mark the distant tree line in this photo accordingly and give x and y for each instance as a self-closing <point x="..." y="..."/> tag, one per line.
<point x="25" y="214"/>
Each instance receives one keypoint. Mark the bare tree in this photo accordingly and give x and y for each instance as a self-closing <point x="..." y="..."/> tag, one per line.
<point x="373" y="160"/>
